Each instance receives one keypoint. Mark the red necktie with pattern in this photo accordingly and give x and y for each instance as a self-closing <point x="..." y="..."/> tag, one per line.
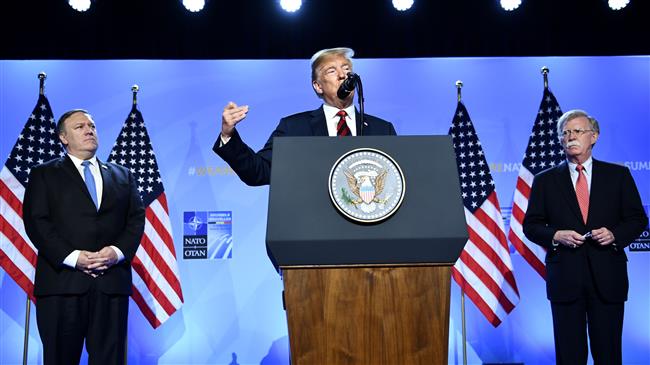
<point x="582" y="193"/>
<point x="342" y="128"/>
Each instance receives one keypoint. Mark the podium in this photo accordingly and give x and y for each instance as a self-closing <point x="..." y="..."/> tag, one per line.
<point x="365" y="293"/>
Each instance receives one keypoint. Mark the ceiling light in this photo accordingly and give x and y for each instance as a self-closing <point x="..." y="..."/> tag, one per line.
<point x="510" y="5"/>
<point x="79" y="5"/>
<point x="618" y="4"/>
<point x="290" y="5"/>
<point x="194" y="5"/>
<point x="402" y="5"/>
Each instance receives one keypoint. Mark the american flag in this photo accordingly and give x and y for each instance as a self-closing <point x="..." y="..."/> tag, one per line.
<point x="543" y="151"/>
<point x="484" y="270"/>
<point x="37" y="143"/>
<point x="156" y="282"/>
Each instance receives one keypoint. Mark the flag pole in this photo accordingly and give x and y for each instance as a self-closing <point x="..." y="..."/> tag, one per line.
<point x="26" y="340"/>
<point x="41" y="77"/>
<point x="545" y="72"/>
<point x="134" y="89"/>
<point x="28" y="306"/>
<point x="459" y="86"/>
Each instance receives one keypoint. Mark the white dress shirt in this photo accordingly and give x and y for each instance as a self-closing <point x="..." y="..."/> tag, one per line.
<point x="94" y="169"/>
<point x="587" y="168"/>
<point x="333" y="119"/>
<point x="71" y="259"/>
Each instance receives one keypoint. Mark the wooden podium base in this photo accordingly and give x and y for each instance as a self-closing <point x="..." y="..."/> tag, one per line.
<point x="368" y="315"/>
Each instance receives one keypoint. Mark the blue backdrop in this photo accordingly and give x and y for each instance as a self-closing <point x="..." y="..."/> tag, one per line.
<point x="233" y="307"/>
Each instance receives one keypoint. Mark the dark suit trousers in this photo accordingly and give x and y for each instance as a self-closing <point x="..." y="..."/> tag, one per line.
<point x="65" y="321"/>
<point x="602" y="320"/>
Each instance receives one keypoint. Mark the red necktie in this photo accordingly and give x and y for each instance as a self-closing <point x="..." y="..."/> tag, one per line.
<point x="342" y="128"/>
<point x="582" y="193"/>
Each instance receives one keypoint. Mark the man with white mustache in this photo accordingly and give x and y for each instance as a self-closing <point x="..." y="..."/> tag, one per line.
<point x="585" y="212"/>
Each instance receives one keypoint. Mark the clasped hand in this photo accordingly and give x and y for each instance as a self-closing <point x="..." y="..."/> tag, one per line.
<point x="573" y="239"/>
<point x="96" y="263"/>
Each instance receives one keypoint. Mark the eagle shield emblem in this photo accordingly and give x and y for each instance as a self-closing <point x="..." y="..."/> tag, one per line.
<point x="366" y="185"/>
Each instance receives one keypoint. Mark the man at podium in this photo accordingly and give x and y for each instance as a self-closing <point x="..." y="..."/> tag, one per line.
<point x="330" y="68"/>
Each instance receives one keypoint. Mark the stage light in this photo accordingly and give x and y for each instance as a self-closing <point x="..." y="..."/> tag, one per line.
<point x="290" y="5"/>
<point x="402" y="5"/>
<point x="618" y="4"/>
<point x="194" y="5"/>
<point x="510" y="5"/>
<point x="79" y="5"/>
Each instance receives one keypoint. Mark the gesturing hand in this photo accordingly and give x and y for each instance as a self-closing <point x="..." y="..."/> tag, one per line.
<point x="232" y="114"/>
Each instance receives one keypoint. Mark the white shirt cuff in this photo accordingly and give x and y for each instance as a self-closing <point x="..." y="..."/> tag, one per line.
<point x="71" y="259"/>
<point x="223" y="139"/>
<point x="120" y="255"/>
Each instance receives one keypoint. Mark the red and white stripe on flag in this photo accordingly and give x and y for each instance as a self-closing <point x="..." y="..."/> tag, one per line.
<point x="17" y="253"/>
<point x="484" y="270"/>
<point x="36" y="143"/>
<point x="542" y="152"/>
<point x="532" y="253"/>
<point x="156" y="279"/>
<point x="156" y="283"/>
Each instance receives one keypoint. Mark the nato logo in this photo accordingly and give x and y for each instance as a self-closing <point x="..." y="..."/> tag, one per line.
<point x="195" y="235"/>
<point x="195" y="223"/>
<point x="207" y="235"/>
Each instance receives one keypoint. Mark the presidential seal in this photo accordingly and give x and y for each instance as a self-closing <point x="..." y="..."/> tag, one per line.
<point x="366" y="185"/>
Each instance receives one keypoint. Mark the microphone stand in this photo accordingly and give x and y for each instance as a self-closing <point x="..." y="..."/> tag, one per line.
<point x="361" y="100"/>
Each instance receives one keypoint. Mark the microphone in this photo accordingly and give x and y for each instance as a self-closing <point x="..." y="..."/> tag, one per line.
<point x="348" y="85"/>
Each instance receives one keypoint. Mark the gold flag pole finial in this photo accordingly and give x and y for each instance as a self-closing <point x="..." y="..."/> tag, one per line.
<point x="545" y="72"/>
<point x="135" y="88"/>
<point x="41" y="77"/>
<point x="459" y="85"/>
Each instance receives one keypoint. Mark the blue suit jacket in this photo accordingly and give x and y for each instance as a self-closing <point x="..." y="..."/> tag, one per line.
<point x="255" y="168"/>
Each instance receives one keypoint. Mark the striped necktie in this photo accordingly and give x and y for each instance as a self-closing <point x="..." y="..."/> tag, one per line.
<point x="342" y="128"/>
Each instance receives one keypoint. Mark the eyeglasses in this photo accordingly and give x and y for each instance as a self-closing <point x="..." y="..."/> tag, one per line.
<point x="577" y="132"/>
